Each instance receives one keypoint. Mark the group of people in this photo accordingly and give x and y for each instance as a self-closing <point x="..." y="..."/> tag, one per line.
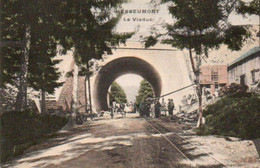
<point x="129" y="107"/>
<point x="148" y="108"/>
<point x="153" y="107"/>
<point x="122" y="108"/>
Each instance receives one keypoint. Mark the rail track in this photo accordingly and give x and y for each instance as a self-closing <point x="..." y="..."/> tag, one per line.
<point x="177" y="141"/>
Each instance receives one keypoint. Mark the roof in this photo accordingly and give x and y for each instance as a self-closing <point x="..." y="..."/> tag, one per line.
<point x="245" y="55"/>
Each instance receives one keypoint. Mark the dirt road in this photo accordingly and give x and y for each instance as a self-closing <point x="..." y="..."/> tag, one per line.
<point x="119" y="142"/>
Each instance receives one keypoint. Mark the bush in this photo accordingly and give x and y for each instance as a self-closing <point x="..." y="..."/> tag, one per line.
<point x="233" y="116"/>
<point x="235" y="90"/>
<point x="19" y="130"/>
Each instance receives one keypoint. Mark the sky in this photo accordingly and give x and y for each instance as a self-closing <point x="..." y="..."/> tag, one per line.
<point x="133" y="81"/>
<point x="130" y="83"/>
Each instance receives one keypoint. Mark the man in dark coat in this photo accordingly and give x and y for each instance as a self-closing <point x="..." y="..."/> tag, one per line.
<point x="144" y="108"/>
<point x="170" y="106"/>
<point x="157" y="109"/>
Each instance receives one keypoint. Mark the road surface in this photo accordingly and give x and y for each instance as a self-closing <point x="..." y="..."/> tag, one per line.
<point x="130" y="142"/>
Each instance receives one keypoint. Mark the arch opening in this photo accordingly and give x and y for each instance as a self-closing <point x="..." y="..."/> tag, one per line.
<point x="117" y="68"/>
<point x="130" y="83"/>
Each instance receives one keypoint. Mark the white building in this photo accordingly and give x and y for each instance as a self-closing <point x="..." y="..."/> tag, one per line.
<point x="246" y="69"/>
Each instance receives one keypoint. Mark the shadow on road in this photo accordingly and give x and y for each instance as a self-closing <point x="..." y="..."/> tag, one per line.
<point x="126" y="142"/>
<point x="257" y="145"/>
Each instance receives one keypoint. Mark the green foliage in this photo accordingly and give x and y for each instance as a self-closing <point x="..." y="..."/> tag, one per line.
<point x="235" y="36"/>
<point x="145" y="91"/>
<point x="40" y="16"/>
<point x="19" y="130"/>
<point x="8" y="99"/>
<point x="120" y="38"/>
<point x="9" y="66"/>
<point x="86" y="26"/>
<point x="235" y="90"/>
<point x="149" y="41"/>
<point x="89" y="26"/>
<point x="252" y="8"/>
<point x="117" y="94"/>
<point x="233" y="116"/>
<point x="44" y="70"/>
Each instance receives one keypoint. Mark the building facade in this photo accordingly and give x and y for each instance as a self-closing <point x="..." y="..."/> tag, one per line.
<point x="213" y="77"/>
<point x="245" y="70"/>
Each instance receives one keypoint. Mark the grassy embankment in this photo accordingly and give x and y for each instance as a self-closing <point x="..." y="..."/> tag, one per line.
<point x="20" y="130"/>
<point x="235" y="115"/>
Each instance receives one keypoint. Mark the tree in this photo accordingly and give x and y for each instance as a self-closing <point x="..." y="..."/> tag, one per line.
<point x="43" y="77"/>
<point x="86" y="26"/>
<point x="7" y="95"/>
<point x="26" y="26"/>
<point x="10" y="18"/>
<point x="117" y="94"/>
<point x="42" y="71"/>
<point x="200" y="27"/>
<point x="251" y="8"/>
<point x="145" y="91"/>
<point x="89" y="28"/>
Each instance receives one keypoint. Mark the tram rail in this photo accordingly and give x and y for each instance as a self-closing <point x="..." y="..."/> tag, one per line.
<point x="163" y="130"/>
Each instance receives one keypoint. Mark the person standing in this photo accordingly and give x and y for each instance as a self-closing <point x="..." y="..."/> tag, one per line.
<point x="163" y="108"/>
<point x="117" y="108"/>
<point x="152" y="109"/>
<point x="113" y="109"/>
<point x="157" y="109"/>
<point x="170" y="106"/>
<point x="135" y="107"/>
<point x="122" y="106"/>
<point x="126" y="107"/>
<point x="131" y="108"/>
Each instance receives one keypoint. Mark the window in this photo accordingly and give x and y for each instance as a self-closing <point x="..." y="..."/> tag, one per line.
<point x="214" y="76"/>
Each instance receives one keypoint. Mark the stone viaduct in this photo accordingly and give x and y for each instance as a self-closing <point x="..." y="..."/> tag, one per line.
<point x="164" y="68"/>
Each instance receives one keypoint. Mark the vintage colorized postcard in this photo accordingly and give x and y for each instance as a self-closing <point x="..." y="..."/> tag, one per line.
<point x="129" y="83"/>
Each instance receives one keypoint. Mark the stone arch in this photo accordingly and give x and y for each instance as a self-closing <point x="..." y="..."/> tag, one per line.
<point x="117" y="68"/>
